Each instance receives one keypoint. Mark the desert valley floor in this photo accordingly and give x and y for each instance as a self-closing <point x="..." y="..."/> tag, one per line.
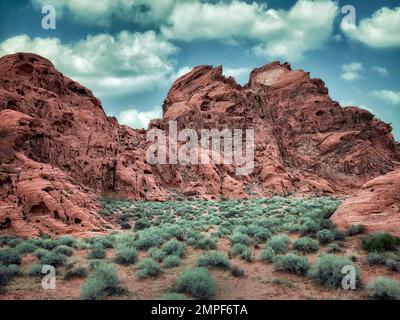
<point x="276" y="248"/>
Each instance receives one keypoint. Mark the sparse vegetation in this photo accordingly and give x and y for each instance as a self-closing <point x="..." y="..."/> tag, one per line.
<point x="280" y="244"/>
<point x="148" y="268"/>
<point x="380" y="242"/>
<point x="214" y="259"/>
<point x="306" y="245"/>
<point x="384" y="289"/>
<point x="292" y="263"/>
<point x="196" y="282"/>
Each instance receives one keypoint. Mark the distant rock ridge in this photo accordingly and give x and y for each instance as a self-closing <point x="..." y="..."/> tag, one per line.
<point x="60" y="151"/>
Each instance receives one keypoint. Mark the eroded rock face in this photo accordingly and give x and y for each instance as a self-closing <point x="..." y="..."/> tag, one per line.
<point x="59" y="151"/>
<point x="304" y="141"/>
<point x="376" y="205"/>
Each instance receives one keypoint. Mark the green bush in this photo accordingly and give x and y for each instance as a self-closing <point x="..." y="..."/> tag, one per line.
<point x="174" y="247"/>
<point x="268" y="255"/>
<point x="39" y="253"/>
<point x="292" y="263"/>
<point x="384" y="289"/>
<point x="333" y="248"/>
<point x="67" y="241"/>
<point x="156" y="254"/>
<point x="26" y="247"/>
<point x="355" y="229"/>
<point x="75" y="271"/>
<point x="380" y="242"/>
<point x="214" y="259"/>
<point x="325" y="236"/>
<point x="280" y="244"/>
<point x="48" y="244"/>
<point x="148" y="268"/>
<point x="375" y="258"/>
<point x="392" y="264"/>
<point x="36" y="270"/>
<point x="9" y="256"/>
<point x="7" y="273"/>
<point x="173" y="296"/>
<point x="197" y="282"/>
<point x="237" y="249"/>
<point x="306" y="245"/>
<point x="327" y="270"/>
<point x="97" y="251"/>
<point x="237" y="272"/>
<point x="65" y="250"/>
<point x="53" y="259"/>
<point x="171" y="261"/>
<point x="126" y="255"/>
<point x="206" y="244"/>
<point x="102" y="281"/>
<point x="241" y="238"/>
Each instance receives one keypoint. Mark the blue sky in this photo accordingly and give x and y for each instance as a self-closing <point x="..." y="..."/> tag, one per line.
<point x="130" y="51"/>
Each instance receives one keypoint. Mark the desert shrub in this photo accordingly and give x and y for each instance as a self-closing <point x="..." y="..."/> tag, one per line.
<point x="246" y="255"/>
<point x="141" y="224"/>
<point x="384" y="289"/>
<point x="171" y="261"/>
<point x="292" y="263"/>
<point x="148" y="238"/>
<point x="75" y="271"/>
<point x="173" y="296"/>
<point x="237" y="249"/>
<point x="9" y="256"/>
<point x="35" y="270"/>
<point x="306" y="245"/>
<point x="39" y="253"/>
<point x="339" y="234"/>
<point x="125" y="226"/>
<point x="333" y="248"/>
<point x="375" y="258"/>
<point x="392" y="264"/>
<point x="327" y="270"/>
<point x="7" y="273"/>
<point x="126" y="255"/>
<point x="65" y="250"/>
<point x="241" y="238"/>
<point x="48" y="244"/>
<point x="156" y="254"/>
<point x="148" y="268"/>
<point x="280" y="244"/>
<point x="325" y="236"/>
<point x="268" y="255"/>
<point x="67" y="241"/>
<point x="102" y="281"/>
<point x="26" y="247"/>
<point x="53" y="259"/>
<point x="197" y="282"/>
<point x="174" y="247"/>
<point x="379" y="242"/>
<point x="97" y="252"/>
<point x="355" y="229"/>
<point x="214" y="259"/>
<point x="237" y="272"/>
<point x="206" y="244"/>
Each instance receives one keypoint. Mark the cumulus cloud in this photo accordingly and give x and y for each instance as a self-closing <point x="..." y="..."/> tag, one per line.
<point x="241" y="75"/>
<point x="102" y="12"/>
<point x="351" y="71"/>
<point x="134" y="118"/>
<point x="279" y="33"/>
<point x="389" y="96"/>
<point x="381" y="30"/>
<point x="109" y="65"/>
<point x="382" y="71"/>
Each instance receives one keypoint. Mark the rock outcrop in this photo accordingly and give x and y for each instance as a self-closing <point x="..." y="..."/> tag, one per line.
<point x="59" y="151"/>
<point x="376" y="206"/>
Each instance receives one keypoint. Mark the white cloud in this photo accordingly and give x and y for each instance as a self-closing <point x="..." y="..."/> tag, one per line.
<point x="279" y="33"/>
<point x="351" y="71"/>
<point x="381" y="30"/>
<point x="134" y="118"/>
<point x="102" y="12"/>
<point x="109" y="65"/>
<point x="389" y="96"/>
<point x="382" y="71"/>
<point x="241" y="75"/>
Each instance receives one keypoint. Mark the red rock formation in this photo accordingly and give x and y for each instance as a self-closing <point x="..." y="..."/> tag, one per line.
<point x="59" y="150"/>
<point x="376" y="206"/>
